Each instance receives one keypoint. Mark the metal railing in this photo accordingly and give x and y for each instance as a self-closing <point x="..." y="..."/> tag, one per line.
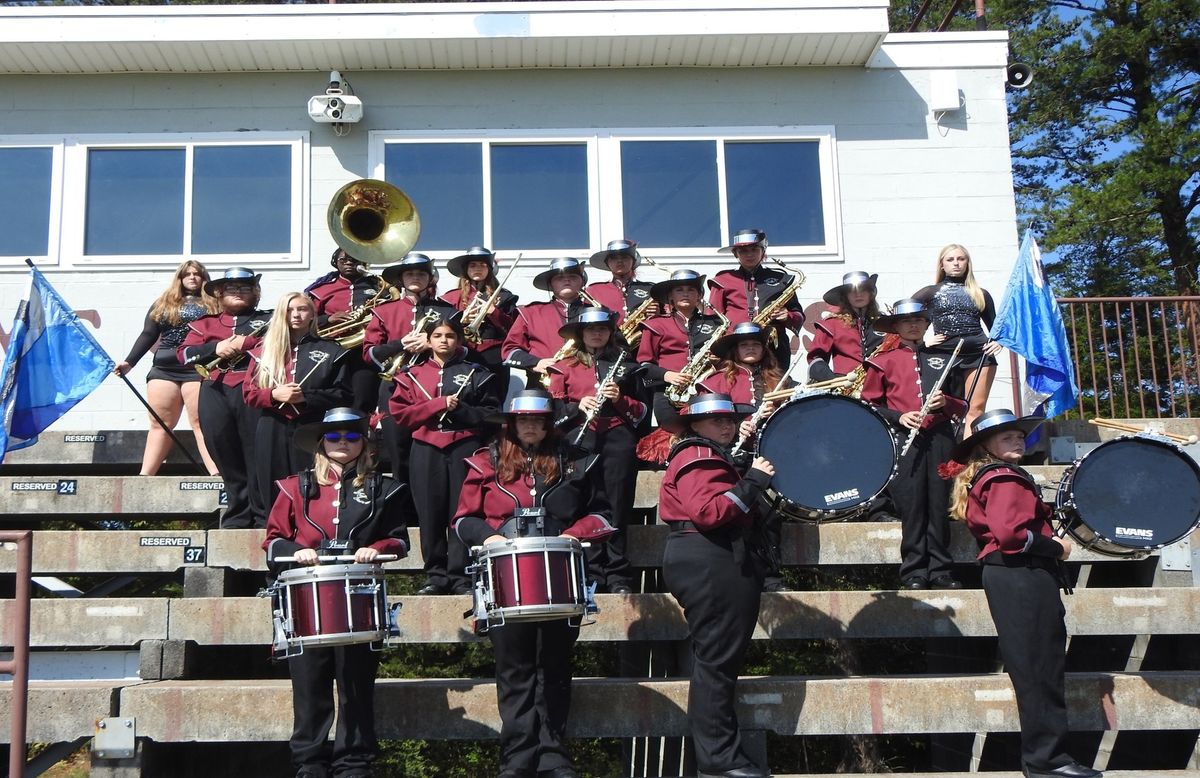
<point x="18" y="666"/>
<point x="1135" y="357"/>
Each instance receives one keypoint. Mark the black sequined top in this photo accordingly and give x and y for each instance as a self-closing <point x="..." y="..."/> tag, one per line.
<point x="170" y="337"/>
<point x="954" y="314"/>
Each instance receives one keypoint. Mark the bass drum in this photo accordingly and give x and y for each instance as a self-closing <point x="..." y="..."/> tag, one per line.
<point x="832" y="456"/>
<point x="1129" y="496"/>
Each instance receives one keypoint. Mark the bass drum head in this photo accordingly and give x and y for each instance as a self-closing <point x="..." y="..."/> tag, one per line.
<point x="1135" y="493"/>
<point x="832" y="454"/>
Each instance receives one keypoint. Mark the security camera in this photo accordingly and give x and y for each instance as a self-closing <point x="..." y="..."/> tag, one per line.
<point x="335" y="108"/>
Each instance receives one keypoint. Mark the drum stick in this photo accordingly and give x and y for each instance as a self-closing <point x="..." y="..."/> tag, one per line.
<point x="1182" y="440"/>
<point x="340" y="558"/>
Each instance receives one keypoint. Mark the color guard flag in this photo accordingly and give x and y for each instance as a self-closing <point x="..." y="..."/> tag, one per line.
<point x="1030" y="324"/>
<point x="51" y="364"/>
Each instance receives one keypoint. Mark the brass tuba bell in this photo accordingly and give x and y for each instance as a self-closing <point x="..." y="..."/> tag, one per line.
<point x="373" y="221"/>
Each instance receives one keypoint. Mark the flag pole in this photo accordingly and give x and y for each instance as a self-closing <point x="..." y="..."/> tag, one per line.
<point x="170" y="432"/>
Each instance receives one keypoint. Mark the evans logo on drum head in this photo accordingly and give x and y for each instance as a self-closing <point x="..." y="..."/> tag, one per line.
<point x="837" y="498"/>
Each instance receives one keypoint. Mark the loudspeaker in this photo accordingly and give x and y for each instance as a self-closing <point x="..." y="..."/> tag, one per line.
<point x="1019" y="75"/>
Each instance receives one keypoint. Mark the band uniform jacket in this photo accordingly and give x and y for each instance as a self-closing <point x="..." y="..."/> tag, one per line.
<point x="899" y="380"/>
<point x="740" y="295"/>
<point x="339" y="295"/>
<point x="419" y="400"/>
<point x="747" y="386"/>
<point x="200" y="344"/>
<point x="534" y="334"/>
<point x="838" y="346"/>
<point x="624" y="300"/>
<point x="487" y="507"/>
<point x="666" y="345"/>
<point x="392" y="321"/>
<point x="320" y="366"/>
<point x="703" y="486"/>
<point x="367" y="515"/>
<point x="571" y="381"/>
<point x="495" y="324"/>
<point x="1005" y="513"/>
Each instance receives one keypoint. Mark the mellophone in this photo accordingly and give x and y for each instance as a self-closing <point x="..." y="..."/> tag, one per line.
<point x="331" y="604"/>
<point x="530" y="579"/>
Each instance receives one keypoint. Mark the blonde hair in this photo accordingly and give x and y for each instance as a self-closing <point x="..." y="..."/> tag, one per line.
<point x="974" y="290"/>
<point x="364" y="466"/>
<point x="960" y="490"/>
<point x="169" y="305"/>
<point x="277" y="343"/>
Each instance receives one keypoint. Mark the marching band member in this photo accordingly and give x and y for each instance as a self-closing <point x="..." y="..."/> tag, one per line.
<point x="747" y="370"/>
<point x="741" y="293"/>
<point x="525" y="480"/>
<point x="1021" y="559"/>
<point x="713" y="568"/>
<point x="959" y="309"/>
<point x="579" y="382"/>
<point x="477" y="282"/>
<point x="533" y="341"/>
<point x="844" y="335"/>
<point x="336" y="294"/>
<point x="340" y="505"/>
<point x="171" y="387"/>
<point x="294" y="377"/>
<point x="900" y="383"/>
<point x="442" y="402"/>
<point x="228" y="424"/>
<point x="623" y="293"/>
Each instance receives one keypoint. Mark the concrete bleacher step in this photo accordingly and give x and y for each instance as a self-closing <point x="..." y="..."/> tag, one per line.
<point x="453" y="709"/>
<point x="246" y="621"/>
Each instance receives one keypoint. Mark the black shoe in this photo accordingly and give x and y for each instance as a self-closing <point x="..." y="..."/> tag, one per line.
<point x="777" y="586"/>
<point x="462" y="588"/>
<point x="566" y="771"/>
<point x="313" y="771"/>
<point x="749" y="771"/>
<point x="432" y="588"/>
<point x="1073" y="770"/>
<point x="619" y="588"/>
<point x="946" y="581"/>
<point x="914" y="583"/>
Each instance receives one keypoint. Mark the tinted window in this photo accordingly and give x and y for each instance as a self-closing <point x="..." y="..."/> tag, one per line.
<point x="776" y="185"/>
<point x="134" y="201"/>
<point x="241" y="199"/>
<point x="25" y="201"/>
<point x="540" y="196"/>
<point x="445" y="182"/>
<point x="669" y="193"/>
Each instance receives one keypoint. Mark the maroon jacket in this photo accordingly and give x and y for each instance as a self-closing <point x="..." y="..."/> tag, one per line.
<point x="624" y="300"/>
<point x="496" y="323"/>
<point x="702" y="486"/>
<point x="200" y="345"/>
<point x="1005" y="513"/>
<point x="572" y="506"/>
<point x="392" y="321"/>
<point x="839" y="347"/>
<point x="897" y="382"/>
<point x="740" y="296"/>
<point x="741" y="389"/>
<point x="571" y="381"/>
<point x="367" y="515"/>
<point x="419" y="400"/>
<point x="534" y="334"/>
<point x="666" y="346"/>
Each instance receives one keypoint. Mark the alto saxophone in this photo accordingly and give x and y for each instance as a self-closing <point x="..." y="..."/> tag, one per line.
<point x="406" y="359"/>
<point x="563" y="352"/>
<point x="699" y="366"/>
<point x="779" y="303"/>
<point x="631" y="328"/>
<point x="858" y="376"/>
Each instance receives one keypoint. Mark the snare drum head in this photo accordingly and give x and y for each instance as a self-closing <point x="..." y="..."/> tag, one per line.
<point x="1137" y="492"/>
<point x="831" y="453"/>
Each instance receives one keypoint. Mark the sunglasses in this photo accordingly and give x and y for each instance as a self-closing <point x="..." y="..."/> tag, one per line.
<point x="237" y="288"/>
<point x="350" y="437"/>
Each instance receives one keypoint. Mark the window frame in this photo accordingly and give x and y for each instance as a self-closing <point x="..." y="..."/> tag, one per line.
<point x="604" y="177"/>
<point x="68" y="207"/>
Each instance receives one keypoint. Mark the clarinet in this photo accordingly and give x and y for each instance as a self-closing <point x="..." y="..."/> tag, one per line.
<point x="600" y="399"/>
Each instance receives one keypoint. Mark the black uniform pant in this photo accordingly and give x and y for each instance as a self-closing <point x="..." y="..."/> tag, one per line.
<point x="313" y="675"/>
<point x="533" y="693"/>
<point x="615" y="476"/>
<point x="364" y="382"/>
<point x="437" y="478"/>
<point x="1028" y="613"/>
<point x="395" y="446"/>
<point x="922" y="499"/>
<point x="718" y="585"/>
<point x="276" y="458"/>
<point x="491" y="359"/>
<point x="229" y="427"/>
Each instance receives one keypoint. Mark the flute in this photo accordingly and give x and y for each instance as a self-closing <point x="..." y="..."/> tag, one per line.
<point x="912" y="434"/>
<point x="445" y="413"/>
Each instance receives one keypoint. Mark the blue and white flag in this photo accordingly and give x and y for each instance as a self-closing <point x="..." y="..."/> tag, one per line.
<point x="1030" y="324"/>
<point x="51" y="364"/>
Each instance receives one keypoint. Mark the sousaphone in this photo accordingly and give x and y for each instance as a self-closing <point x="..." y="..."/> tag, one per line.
<point x="373" y="221"/>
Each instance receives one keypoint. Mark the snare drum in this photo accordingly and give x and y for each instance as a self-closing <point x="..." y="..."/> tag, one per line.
<point x="531" y="579"/>
<point x="329" y="605"/>
<point x="832" y="456"/>
<point x="1129" y="496"/>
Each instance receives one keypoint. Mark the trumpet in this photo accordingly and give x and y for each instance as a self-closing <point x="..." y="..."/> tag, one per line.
<point x="350" y="331"/>
<point x="222" y="364"/>
<point x="564" y="350"/>
<point x="473" y="330"/>
<point x="406" y="359"/>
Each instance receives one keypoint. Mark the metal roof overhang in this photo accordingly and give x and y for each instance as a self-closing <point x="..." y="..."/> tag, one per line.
<point x="440" y="36"/>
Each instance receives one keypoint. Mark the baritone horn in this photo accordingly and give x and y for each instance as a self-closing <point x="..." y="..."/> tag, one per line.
<point x="373" y="221"/>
